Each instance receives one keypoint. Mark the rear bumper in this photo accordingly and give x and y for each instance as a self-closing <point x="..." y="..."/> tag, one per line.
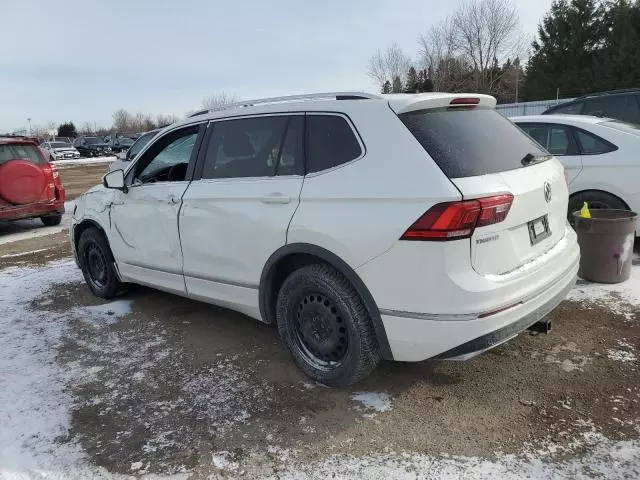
<point x="33" y="210"/>
<point x="416" y="339"/>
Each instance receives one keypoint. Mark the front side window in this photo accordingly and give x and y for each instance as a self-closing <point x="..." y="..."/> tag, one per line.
<point x="140" y="144"/>
<point x="255" y="147"/>
<point x="168" y="159"/>
<point x="330" y="142"/>
<point x="591" y="144"/>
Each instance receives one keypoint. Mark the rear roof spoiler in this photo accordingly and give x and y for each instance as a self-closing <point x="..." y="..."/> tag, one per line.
<point x="403" y="103"/>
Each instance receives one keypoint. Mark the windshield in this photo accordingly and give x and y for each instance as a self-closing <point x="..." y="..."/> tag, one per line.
<point x="140" y="144"/>
<point x="470" y="142"/>
<point x="59" y="145"/>
<point x="93" y="140"/>
<point x="20" y="152"/>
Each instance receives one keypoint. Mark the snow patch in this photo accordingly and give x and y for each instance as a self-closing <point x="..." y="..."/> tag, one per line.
<point x="620" y="298"/>
<point x="22" y="254"/>
<point x="376" y="401"/>
<point x="107" y="313"/>
<point x="84" y="161"/>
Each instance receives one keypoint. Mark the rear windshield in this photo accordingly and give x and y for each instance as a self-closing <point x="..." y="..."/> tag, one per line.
<point x="470" y="142"/>
<point x="20" y="152"/>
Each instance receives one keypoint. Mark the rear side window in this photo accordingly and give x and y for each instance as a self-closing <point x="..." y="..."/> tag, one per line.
<point x="20" y="152"/>
<point x="470" y="142"/>
<point x="591" y="144"/>
<point x="255" y="147"/>
<point x="555" y="138"/>
<point x="607" y="106"/>
<point x="330" y="142"/>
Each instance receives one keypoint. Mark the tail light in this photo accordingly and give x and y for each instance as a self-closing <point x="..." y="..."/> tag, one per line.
<point x="465" y="101"/>
<point x="456" y="220"/>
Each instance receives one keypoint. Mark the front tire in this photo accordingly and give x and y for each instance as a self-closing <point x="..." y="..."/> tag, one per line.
<point x="97" y="264"/>
<point x="325" y="325"/>
<point x="51" y="220"/>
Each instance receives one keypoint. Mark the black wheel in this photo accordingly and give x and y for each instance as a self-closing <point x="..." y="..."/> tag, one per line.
<point x="96" y="262"/>
<point x="325" y="325"/>
<point x="51" y="220"/>
<point x="596" y="200"/>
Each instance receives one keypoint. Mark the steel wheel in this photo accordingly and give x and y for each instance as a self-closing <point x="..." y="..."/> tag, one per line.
<point x="97" y="265"/>
<point x="320" y="332"/>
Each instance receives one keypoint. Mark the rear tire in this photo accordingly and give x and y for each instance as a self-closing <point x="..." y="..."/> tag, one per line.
<point x="97" y="264"/>
<point x="51" y="220"/>
<point x="326" y="327"/>
<point x="596" y="200"/>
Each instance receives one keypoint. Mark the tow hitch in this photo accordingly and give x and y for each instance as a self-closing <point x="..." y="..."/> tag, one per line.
<point x="543" y="326"/>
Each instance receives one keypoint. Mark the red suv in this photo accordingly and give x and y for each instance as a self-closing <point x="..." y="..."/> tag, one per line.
<point x="29" y="185"/>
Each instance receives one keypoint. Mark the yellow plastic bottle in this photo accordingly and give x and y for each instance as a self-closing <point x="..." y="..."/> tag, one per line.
<point x="584" y="211"/>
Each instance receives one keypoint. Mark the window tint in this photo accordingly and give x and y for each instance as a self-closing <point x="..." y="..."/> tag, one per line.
<point x="167" y="160"/>
<point x="591" y="144"/>
<point x="20" y="152"/>
<point x="568" y="109"/>
<point x="246" y="147"/>
<point x="606" y="106"/>
<point x="467" y="143"/>
<point x="632" y="113"/>
<point x="330" y="142"/>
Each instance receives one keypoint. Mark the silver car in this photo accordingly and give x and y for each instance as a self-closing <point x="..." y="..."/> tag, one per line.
<point x="60" y="150"/>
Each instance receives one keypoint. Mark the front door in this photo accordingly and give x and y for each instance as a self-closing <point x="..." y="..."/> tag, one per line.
<point x="237" y="213"/>
<point x="144" y="219"/>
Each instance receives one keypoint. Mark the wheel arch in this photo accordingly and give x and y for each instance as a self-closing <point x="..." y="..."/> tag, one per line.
<point x="598" y="190"/>
<point x="295" y="255"/>
<point x="84" y="225"/>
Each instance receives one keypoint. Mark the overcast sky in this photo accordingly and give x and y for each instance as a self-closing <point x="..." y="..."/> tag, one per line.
<point x="82" y="60"/>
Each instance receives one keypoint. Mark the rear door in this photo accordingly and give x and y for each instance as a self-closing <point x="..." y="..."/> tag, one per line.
<point x="236" y="214"/>
<point x="485" y="155"/>
<point x="560" y="142"/>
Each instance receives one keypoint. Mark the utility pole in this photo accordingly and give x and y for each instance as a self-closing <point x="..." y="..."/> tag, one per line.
<point x="29" y="120"/>
<point x="517" y="80"/>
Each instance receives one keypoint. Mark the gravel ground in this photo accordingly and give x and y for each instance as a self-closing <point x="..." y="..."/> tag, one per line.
<point x="154" y="384"/>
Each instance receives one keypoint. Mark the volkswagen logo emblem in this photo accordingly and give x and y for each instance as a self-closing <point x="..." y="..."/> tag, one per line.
<point x="547" y="192"/>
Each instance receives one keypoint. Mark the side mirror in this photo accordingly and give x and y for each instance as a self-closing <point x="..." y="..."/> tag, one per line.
<point x="115" y="179"/>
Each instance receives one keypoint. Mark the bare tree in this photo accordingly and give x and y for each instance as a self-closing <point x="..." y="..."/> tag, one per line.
<point x="386" y="66"/>
<point x="121" y="121"/>
<point x="487" y="32"/>
<point x="219" y="101"/>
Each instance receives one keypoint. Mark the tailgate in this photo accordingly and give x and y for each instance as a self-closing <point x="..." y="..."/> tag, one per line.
<point x="536" y="220"/>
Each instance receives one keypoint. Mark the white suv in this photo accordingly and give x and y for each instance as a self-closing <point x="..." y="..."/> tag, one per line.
<point x="400" y="227"/>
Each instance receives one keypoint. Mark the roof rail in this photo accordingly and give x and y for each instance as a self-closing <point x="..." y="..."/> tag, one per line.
<point x="609" y="92"/>
<point x="294" y="98"/>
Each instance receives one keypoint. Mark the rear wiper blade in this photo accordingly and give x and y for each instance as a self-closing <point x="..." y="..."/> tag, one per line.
<point x="531" y="158"/>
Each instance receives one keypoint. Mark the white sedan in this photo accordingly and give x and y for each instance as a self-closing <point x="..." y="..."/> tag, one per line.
<point x="601" y="157"/>
<point x="60" y="150"/>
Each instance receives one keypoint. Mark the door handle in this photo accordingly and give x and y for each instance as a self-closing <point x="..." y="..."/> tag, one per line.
<point x="275" y="197"/>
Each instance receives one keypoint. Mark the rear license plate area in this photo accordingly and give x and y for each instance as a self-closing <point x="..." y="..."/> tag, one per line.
<point x="539" y="229"/>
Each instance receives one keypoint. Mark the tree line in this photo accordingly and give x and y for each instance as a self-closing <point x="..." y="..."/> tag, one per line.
<point x="581" y="46"/>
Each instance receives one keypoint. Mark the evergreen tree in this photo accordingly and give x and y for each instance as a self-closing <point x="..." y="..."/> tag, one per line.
<point x="386" y="88"/>
<point x="67" y="130"/>
<point x="567" y="52"/>
<point x="412" y="84"/>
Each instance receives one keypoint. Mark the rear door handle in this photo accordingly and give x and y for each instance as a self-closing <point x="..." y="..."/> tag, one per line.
<point x="275" y="197"/>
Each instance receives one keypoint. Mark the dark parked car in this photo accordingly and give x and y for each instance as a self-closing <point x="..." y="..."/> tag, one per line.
<point x="120" y="144"/>
<point x="125" y="157"/>
<point x="92" y="146"/>
<point x="618" y="104"/>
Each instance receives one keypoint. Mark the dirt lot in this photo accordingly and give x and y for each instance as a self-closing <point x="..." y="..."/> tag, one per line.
<point x="78" y="179"/>
<point x="157" y="384"/>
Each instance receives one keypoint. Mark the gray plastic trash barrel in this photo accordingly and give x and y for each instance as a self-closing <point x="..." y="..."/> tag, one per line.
<point x="606" y="245"/>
